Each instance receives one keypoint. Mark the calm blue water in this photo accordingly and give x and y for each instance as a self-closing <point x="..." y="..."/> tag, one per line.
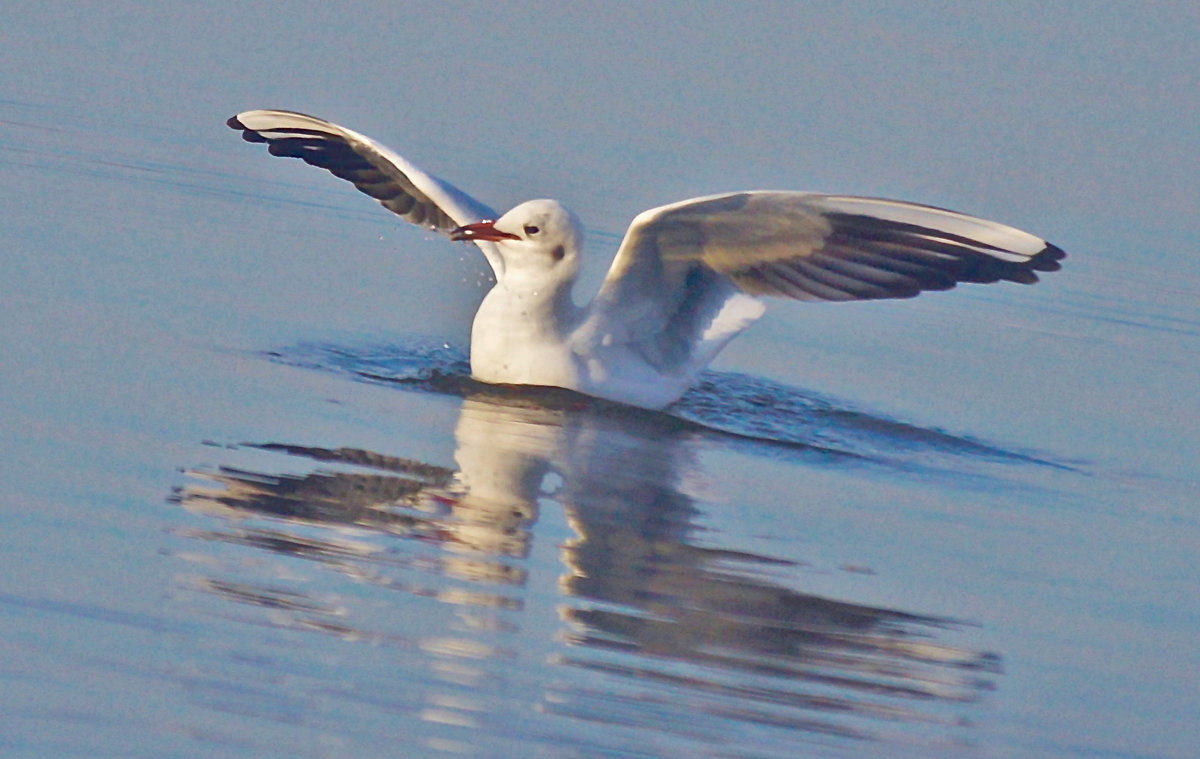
<point x="254" y="506"/>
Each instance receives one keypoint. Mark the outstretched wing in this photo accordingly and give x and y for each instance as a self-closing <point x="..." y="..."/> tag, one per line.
<point x="682" y="268"/>
<point x="401" y="187"/>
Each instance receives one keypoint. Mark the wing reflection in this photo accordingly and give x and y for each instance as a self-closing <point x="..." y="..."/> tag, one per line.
<point x="657" y="627"/>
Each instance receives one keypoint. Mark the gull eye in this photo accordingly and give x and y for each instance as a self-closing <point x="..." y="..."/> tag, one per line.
<point x="531" y="230"/>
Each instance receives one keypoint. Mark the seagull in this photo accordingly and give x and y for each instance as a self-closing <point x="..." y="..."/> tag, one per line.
<point x="687" y="278"/>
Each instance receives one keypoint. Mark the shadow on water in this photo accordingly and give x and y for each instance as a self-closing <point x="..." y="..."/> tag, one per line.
<point x="658" y="631"/>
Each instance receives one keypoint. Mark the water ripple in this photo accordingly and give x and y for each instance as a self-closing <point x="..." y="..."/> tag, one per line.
<point x="760" y="414"/>
<point x="655" y="639"/>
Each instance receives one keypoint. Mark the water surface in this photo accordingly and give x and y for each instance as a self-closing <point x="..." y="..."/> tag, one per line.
<point x="254" y="505"/>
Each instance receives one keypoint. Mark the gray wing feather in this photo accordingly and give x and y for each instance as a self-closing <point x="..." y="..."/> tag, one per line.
<point x="680" y="265"/>
<point x="398" y="185"/>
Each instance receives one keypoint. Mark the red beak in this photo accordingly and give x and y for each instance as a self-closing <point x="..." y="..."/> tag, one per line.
<point x="483" y="230"/>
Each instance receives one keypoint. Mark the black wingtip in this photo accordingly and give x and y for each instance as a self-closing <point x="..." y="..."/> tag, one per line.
<point x="248" y="134"/>
<point x="1047" y="259"/>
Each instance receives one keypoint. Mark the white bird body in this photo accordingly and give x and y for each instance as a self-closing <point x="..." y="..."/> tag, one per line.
<point x="687" y="278"/>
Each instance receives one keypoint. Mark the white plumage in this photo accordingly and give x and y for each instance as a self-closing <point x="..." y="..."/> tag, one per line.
<point x="687" y="278"/>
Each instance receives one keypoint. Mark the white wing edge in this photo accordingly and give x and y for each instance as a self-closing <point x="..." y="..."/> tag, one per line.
<point x="1005" y="243"/>
<point x="456" y="204"/>
<point x="1001" y="241"/>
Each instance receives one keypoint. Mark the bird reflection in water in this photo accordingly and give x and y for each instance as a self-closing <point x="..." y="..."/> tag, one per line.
<point x="651" y="618"/>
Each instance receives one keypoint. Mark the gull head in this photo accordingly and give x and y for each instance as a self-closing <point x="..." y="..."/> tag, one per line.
<point x="538" y="238"/>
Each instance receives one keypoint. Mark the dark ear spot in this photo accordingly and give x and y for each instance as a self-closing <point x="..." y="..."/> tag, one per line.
<point x="558" y="252"/>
